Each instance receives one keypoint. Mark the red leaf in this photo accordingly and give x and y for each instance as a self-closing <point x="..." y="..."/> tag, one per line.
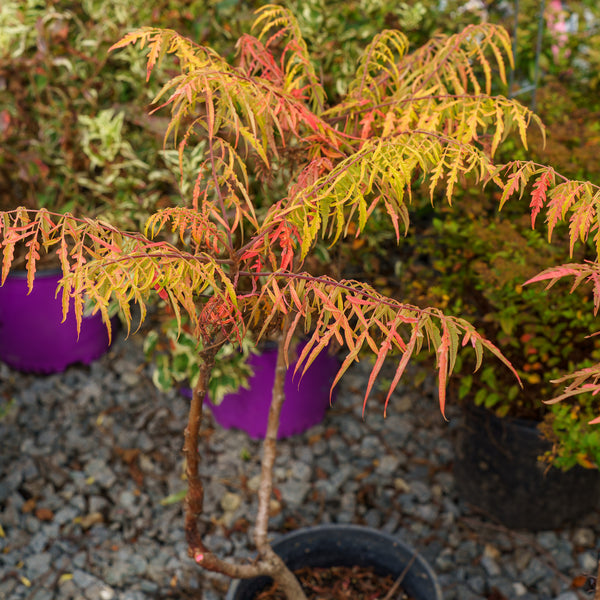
<point x="538" y="195"/>
<point x="443" y="367"/>
<point x="555" y="273"/>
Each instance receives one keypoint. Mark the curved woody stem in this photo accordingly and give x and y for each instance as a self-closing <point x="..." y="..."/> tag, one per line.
<point x="194" y="499"/>
<point x="284" y="577"/>
<point x="269" y="451"/>
<point x="268" y="563"/>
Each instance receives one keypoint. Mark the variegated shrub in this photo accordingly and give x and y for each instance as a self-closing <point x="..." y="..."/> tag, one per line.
<point x="282" y="171"/>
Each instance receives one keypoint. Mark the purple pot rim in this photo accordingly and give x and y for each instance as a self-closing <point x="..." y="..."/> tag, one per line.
<point x="43" y="273"/>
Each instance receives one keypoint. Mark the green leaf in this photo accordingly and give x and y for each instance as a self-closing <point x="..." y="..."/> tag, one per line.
<point x="174" y="498"/>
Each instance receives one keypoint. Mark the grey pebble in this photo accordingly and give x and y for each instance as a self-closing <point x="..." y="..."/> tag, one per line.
<point x="547" y="539"/>
<point x="98" y="591"/>
<point x="563" y="555"/>
<point x="97" y="469"/>
<point x="462" y="592"/>
<point x="421" y="491"/>
<point x="294" y="492"/>
<point x="388" y="465"/>
<point x="567" y="596"/>
<point x="535" y="571"/>
<point x="491" y="567"/>
<point x="588" y="561"/>
<point x="37" y="564"/>
<point x="41" y="594"/>
<point x="444" y="563"/>
<point x="301" y="471"/>
<point x="134" y="595"/>
<point x="38" y="542"/>
<point x="478" y="584"/>
<point x="66" y="515"/>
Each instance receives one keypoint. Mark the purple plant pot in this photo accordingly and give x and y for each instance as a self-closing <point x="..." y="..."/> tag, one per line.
<point x="306" y="398"/>
<point x="32" y="336"/>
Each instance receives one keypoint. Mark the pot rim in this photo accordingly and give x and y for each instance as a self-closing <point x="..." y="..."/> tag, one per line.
<point x="42" y="272"/>
<point x="296" y="537"/>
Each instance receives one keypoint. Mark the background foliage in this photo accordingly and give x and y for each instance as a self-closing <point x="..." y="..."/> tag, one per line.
<point x="73" y="125"/>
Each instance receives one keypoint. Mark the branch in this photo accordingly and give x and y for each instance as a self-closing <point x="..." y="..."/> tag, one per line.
<point x="356" y="316"/>
<point x="269" y="445"/>
<point x="194" y="500"/>
<point x="286" y="580"/>
<point x="218" y="188"/>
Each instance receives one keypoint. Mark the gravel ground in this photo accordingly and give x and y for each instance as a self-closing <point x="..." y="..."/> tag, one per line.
<point x="90" y="455"/>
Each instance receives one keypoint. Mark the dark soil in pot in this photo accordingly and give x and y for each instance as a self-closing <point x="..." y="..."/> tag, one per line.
<point x="341" y="583"/>
<point x="497" y="471"/>
<point x="348" y="546"/>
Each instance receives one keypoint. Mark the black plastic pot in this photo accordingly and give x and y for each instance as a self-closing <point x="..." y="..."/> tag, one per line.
<point x="497" y="470"/>
<point x="348" y="545"/>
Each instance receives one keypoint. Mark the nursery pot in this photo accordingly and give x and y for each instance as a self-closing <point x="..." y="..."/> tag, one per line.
<point x="497" y="470"/>
<point x="33" y="337"/>
<point x="349" y="545"/>
<point x="306" y="397"/>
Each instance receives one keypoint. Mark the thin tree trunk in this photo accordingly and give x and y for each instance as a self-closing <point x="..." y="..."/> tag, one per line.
<point x="194" y="499"/>
<point x="286" y="580"/>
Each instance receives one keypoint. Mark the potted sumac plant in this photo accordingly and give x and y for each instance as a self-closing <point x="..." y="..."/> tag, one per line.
<point x="283" y="170"/>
